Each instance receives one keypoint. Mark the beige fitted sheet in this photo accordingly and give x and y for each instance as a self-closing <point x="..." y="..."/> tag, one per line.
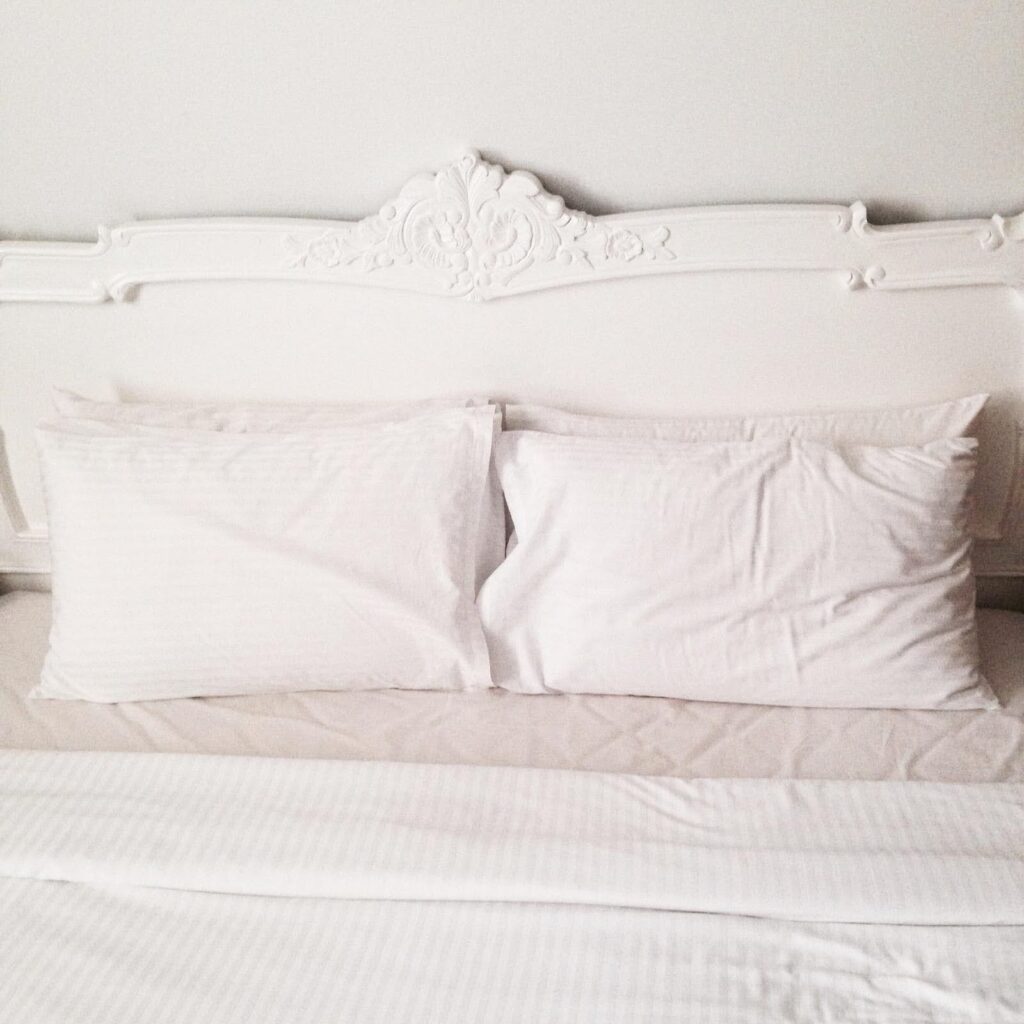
<point x="643" y="735"/>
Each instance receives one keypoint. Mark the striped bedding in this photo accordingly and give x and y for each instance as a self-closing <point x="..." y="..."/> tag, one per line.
<point x="188" y="888"/>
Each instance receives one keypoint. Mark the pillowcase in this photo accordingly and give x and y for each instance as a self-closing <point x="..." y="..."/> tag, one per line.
<point x="190" y="563"/>
<point x="911" y="425"/>
<point x="764" y="572"/>
<point x="244" y="417"/>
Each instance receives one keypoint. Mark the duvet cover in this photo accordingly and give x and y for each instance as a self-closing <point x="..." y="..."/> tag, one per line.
<point x="193" y="888"/>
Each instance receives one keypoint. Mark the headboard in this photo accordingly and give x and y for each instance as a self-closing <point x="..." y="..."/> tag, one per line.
<point x="677" y="311"/>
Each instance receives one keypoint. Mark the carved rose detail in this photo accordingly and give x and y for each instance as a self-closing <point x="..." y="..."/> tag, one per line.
<point x="623" y="245"/>
<point x="471" y="229"/>
<point x="326" y="251"/>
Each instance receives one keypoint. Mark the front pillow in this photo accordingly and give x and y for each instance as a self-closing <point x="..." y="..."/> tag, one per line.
<point x="202" y="563"/>
<point x="766" y="572"/>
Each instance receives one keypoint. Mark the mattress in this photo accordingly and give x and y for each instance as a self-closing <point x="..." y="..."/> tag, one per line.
<point x="640" y="735"/>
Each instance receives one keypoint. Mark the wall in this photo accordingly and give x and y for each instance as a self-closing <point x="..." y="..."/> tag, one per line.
<point x="144" y="108"/>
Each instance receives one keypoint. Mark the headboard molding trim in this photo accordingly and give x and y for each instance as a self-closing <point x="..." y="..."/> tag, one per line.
<point x="474" y="231"/>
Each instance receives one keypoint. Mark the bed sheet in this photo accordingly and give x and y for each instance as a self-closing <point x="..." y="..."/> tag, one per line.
<point x="638" y="735"/>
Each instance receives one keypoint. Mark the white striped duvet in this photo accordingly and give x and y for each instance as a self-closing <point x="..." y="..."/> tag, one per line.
<point x="166" y="888"/>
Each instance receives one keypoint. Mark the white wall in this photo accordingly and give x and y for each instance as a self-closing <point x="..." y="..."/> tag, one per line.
<point x="114" y="109"/>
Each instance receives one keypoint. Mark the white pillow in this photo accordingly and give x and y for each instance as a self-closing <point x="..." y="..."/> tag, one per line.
<point x="912" y="425"/>
<point x="276" y="417"/>
<point x="242" y="417"/>
<point x="191" y="563"/>
<point x="766" y="572"/>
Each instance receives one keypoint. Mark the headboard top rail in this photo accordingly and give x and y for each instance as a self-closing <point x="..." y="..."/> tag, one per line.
<point x="474" y="231"/>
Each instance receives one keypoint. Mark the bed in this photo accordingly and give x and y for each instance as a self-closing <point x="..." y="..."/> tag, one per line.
<point x="403" y="855"/>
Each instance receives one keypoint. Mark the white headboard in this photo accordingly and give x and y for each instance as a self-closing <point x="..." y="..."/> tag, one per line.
<point x="697" y="311"/>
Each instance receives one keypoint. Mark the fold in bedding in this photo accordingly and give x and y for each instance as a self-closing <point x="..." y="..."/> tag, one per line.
<point x="314" y="891"/>
<point x="837" y="851"/>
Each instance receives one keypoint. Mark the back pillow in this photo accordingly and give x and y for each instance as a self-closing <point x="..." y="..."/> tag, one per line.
<point x="910" y="425"/>
<point x="240" y="417"/>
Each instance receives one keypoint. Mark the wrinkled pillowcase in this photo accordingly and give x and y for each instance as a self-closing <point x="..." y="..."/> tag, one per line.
<point x="766" y="572"/>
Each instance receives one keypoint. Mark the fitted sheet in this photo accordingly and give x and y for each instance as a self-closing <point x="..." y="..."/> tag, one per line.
<point x="641" y="735"/>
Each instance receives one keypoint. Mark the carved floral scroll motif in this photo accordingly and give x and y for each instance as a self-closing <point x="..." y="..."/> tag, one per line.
<point x="475" y="228"/>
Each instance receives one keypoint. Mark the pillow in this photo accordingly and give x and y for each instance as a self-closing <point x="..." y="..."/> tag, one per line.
<point x="912" y="425"/>
<point x="192" y="563"/>
<point x="242" y="417"/>
<point x="765" y="572"/>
